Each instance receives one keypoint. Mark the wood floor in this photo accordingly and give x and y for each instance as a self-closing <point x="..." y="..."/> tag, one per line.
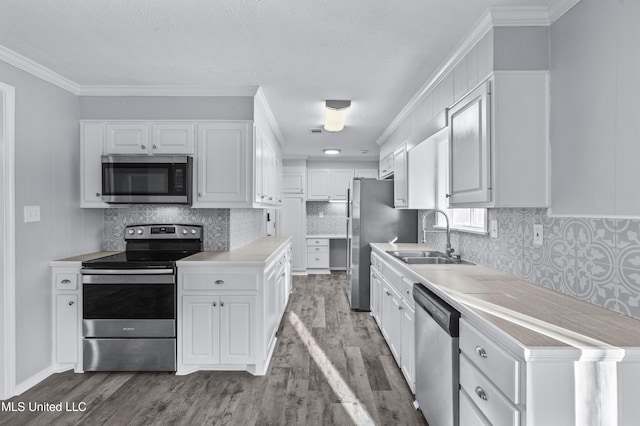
<point x="330" y="366"/>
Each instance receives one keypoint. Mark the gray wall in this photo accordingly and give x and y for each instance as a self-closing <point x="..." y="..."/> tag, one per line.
<point x="47" y="174"/>
<point x="166" y="108"/>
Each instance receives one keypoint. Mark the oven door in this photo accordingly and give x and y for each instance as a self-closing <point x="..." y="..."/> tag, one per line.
<point x="127" y="304"/>
<point x="146" y="179"/>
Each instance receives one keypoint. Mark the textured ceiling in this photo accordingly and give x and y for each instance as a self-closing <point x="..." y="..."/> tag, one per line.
<point x="377" y="53"/>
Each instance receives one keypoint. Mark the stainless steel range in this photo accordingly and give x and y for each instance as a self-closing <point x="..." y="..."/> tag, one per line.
<point x="129" y="300"/>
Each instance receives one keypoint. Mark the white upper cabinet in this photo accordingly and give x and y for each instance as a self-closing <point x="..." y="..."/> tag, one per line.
<point x="422" y="174"/>
<point x="328" y="184"/>
<point x="223" y="164"/>
<point x="386" y="166"/>
<point x="293" y="182"/>
<point x="149" y="138"/>
<point x="366" y="173"/>
<point x="318" y="184"/>
<point x="172" y="138"/>
<point x="91" y="142"/>
<point x="400" y="189"/>
<point x="499" y="143"/>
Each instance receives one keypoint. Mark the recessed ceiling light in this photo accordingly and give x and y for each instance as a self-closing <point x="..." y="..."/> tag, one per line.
<point x="331" y="151"/>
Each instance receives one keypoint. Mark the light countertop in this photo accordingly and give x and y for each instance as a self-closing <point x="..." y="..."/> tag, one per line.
<point x="533" y="315"/>
<point x="83" y="257"/>
<point x="259" y="251"/>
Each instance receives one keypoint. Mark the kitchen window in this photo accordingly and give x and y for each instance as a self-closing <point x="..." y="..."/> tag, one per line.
<point x="460" y="219"/>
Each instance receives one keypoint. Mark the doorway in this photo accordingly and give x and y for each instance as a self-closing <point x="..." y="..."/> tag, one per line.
<point x="7" y="241"/>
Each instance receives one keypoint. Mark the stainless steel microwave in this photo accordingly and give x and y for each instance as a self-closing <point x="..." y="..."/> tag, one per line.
<point x="147" y="179"/>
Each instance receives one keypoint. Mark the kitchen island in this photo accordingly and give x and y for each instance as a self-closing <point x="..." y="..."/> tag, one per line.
<point x="541" y="356"/>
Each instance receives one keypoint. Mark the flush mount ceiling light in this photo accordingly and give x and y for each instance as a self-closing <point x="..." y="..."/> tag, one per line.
<point x="331" y="151"/>
<point x="335" y="115"/>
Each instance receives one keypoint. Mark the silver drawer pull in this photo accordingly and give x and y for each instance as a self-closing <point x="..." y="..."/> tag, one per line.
<point x="71" y="303"/>
<point x="97" y="194"/>
<point x="407" y="291"/>
<point x="65" y="281"/>
<point x="219" y="282"/>
<point x="481" y="393"/>
<point x="143" y="147"/>
<point x="215" y="304"/>
<point x="481" y="352"/>
<point x="155" y="147"/>
<point x="317" y="258"/>
<point x="400" y="308"/>
<point x="221" y="303"/>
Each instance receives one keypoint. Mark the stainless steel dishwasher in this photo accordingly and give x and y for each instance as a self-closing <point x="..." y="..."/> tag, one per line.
<point x="437" y="358"/>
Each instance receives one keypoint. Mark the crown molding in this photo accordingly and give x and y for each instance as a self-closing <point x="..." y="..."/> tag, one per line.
<point x="557" y="8"/>
<point x="501" y="16"/>
<point x="159" y="90"/>
<point x="37" y="70"/>
<point x="261" y="100"/>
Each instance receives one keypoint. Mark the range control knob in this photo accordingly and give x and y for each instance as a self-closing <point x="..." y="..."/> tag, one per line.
<point x="130" y="232"/>
<point x="193" y="231"/>
<point x="140" y="231"/>
<point x="184" y="231"/>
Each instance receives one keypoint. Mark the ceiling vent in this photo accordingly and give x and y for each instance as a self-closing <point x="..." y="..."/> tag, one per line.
<point x="316" y="130"/>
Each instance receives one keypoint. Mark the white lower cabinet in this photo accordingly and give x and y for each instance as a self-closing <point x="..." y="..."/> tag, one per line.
<point x="218" y="329"/>
<point x="393" y="309"/>
<point x="66" y="328"/>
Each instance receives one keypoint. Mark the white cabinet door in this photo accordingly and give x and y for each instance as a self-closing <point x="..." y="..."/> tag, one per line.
<point x="272" y="304"/>
<point x="422" y="175"/>
<point x="366" y="173"/>
<point x="91" y="141"/>
<point x="470" y="161"/>
<point x="237" y="328"/>
<point x="318" y="184"/>
<point x="172" y="138"/>
<point x="293" y="220"/>
<point x="293" y="183"/>
<point x="408" y="361"/>
<point x="400" y="191"/>
<point x="375" y="296"/>
<point x="127" y="138"/>
<point x="259" y="187"/>
<point x="66" y="328"/>
<point x="224" y="166"/>
<point x="391" y="320"/>
<point x="200" y="330"/>
<point x="340" y="182"/>
<point x="386" y="166"/>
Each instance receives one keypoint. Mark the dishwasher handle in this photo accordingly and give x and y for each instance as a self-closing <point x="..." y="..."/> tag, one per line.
<point x="441" y="312"/>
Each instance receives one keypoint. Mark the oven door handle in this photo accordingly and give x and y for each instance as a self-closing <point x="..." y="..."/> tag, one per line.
<point x="125" y="271"/>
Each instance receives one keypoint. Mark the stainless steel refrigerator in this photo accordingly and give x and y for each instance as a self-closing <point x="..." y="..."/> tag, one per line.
<point x="371" y="218"/>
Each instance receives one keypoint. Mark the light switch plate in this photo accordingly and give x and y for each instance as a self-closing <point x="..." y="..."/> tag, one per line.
<point x="31" y="214"/>
<point x="321" y="214"/>
<point x="538" y="235"/>
<point x="493" y="229"/>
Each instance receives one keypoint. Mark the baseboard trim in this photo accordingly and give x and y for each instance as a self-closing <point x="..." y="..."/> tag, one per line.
<point x="25" y="385"/>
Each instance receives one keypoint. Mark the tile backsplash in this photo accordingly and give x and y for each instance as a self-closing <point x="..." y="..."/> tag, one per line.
<point x="216" y="223"/>
<point x="595" y="260"/>
<point x="334" y="220"/>
<point x="246" y="225"/>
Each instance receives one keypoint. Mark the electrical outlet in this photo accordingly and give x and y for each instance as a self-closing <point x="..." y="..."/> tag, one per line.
<point x="321" y="215"/>
<point x="31" y="214"/>
<point x="493" y="229"/>
<point x="538" y="235"/>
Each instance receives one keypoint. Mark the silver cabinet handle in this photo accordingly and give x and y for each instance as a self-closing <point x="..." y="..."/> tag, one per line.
<point x="481" y="352"/>
<point x="400" y="308"/>
<point x="143" y="147"/>
<point x="71" y="302"/>
<point x="65" y="281"/>
<point x="219" y="282"/>
<point x="199" y="194"/>
<point x="317" y="258"/>
<point x="447" y="195"/>
<point x="407" y="291"/>
<point x="97" y="194"/>
<point x="214" y="304"/>
<point x="154" y="147"/>
<point x="481" y="393"/>
<point x="221" y="303"/>
<point x="388" y="294"/>
<point x="283" y="274"/>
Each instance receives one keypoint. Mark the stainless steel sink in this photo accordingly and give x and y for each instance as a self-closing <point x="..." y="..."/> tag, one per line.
<point x="427" y="258"/>
<point x="401" y="254"/>
<point x="434" y="261"/>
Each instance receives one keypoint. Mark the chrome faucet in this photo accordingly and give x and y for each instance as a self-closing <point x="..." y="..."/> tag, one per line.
<point x="449" y="250"/>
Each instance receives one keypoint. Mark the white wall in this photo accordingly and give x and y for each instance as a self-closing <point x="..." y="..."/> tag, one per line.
<point x="595" y="85"/>
<point x="48" y="175"/>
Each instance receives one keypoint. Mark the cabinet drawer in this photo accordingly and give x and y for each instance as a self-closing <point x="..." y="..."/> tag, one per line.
<point x="318" y="242"/>
<point x="494" y="362"/>
<point x="493" y="404"/>
<point x="222" y="281"/>
<point x="317" y="260"/>
<point x="66" y="281"/>
<point x="394" y="277"/>
<point x="317" y="249"/>
<point x="470" y="414"/>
